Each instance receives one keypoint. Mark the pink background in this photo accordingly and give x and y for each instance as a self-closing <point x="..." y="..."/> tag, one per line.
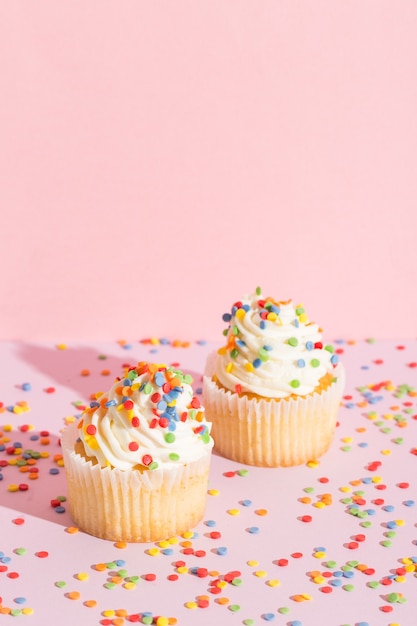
<point x="160" y="159"/>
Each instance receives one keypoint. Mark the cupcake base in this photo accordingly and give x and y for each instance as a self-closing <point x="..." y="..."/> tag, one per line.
<point x="271" y="432"/>
<point x="133" y="506"/>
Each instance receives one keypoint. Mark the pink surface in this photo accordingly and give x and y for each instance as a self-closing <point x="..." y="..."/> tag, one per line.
<point x="258" y="512"/>
<point x="160" y="159"/>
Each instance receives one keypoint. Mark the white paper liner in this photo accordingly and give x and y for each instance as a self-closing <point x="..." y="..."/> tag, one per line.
<point x="133" y="506"/>
<point x="271" y="433"/>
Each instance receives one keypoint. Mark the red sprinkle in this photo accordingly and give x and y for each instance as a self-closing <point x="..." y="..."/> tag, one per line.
<point x="386" y="608"/>
<point x="42" y="554"/>
<point x="352" y="545"/>
<point x="282" y="562"/>
<point x="297" y="555"/>
<point x="403" y="485"/>
<point x="326" y="589"/>
<point x="18" y="521"/>
<point x="306" y="518"/>
<point x="150" y="577"/>
<point x="133" y="446"/>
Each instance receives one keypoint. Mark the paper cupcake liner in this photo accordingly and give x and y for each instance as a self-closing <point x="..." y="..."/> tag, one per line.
<point x="133" y="506"/>
<point x="271" y="433"/>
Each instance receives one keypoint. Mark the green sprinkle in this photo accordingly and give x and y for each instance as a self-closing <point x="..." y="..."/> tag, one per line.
<point x="283" y="610"/>
<point x="237" y="582"/>
<point x="398" y="440"/>
<point x="346" y="448"/>
<point x="314" y="362"/>
<point x="174" y="456"/>
<point x="235" y="330"/>
<point x="248" y="622"/>
<point x="371" y="340"/>
<point x="169" y="437"/>
<point x="20" y="551"/>
<point x="61" y="498"/>
<point x="346" y="500"/>
<point x="205" y="437"/>
<point x="188" y="379"/>
<point x="234" y="607"/>
<point x="293" y="341"/>
<point x="390" y="534"/>
<point x="393" y="597"/>
<point x="263" y="354"/>
<point x="374" y="584"/>
<point x="353" y="563"/>
<point x="386" y="543"/>
<point x="308" y="489"/>
<point x="242" y="472"/>
<point x="147" y="388"/>
<point x="299" y="310"/>
<point x="348" y="587"/>
<point x="111" y="565"/>
<point x="258" y="291"/>
<point x="60" y="583"/>
<point x="385" y="430"/>
<point x="330" y="564"/>
<point x="132" y="374"/>
<point x="366" y="524"/>
<point x="16" y="612"/>
<point x="295" y="383"/>
<point x="153" y="466"/>
<point x="362" y="514"/>
<point x="109" y="585"/>
<point x="122" y="573"/>
<point x="329" y="348"/>
<point x="234" y="353"/>
<point x="132" y="579"/>
<point x="102" y="357"/>
<point x="147" y="619"/>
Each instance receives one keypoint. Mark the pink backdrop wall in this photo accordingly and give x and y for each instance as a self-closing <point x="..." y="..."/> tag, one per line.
<point x="159" y="159"/>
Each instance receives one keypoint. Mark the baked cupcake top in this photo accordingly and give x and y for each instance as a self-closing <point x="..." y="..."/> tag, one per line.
<point x="149" y="419"/>
<point x="272" y="349"/>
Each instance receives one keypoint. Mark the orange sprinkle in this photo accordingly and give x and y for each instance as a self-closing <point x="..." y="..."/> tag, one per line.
<point x="121" y="613"/>
<point x="261" y="512"/>
<point x="73" y="595"/>
<point x="305" y="500"/>
<point x="85" y="372"/>
<point x="72" y="530"/>
<point x="100" y="567"/>
<point x="90" y="603"/>
<point x="222" y="600"/>
<point x="120" y="544"/>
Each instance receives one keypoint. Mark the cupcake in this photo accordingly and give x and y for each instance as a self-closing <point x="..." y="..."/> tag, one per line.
<point x="273" y="391"/>
<point x="138" y="460"/>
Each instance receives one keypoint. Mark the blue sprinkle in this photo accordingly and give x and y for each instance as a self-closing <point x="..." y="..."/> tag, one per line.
<point x="253" y="530"/>
<point x="257" y="363"/>
<point x="26" y="386"/>
<point x="301" y="363"/>
<point x="350" y="405"/>
<point x="348" y="574"/>
<point x="5" y="559"/>
<point x="94" y="405"/>
<point x="371" y="511"/>
<point x="120" y="562"/>
<point x="127" y="382"/>
<point x="17" y="444"/>
<point x="210" y="522"/>
<point x="240" y="343"/>
<point x="222" y="551"/>
<point x="320" y="549"/>
<point x="336" y="582"/>
<point x="162" y="405"/>
<point x="391" y="524"/>
<point x="367" y="480"/>
<point x="201" y="342"/>
<point x="362" y="624"/>
<point x="268" y="348"/>
<point x="409" y="503"/>
<point x="334" y="359"/>
<point x="159" y="379"/>
<point x="167" y="551"/>
<point x="246" y="307"/>
<point x="226" y="317"/>
<point x="163" y="341"/>
<point x="198" y="391"/>
<point x="110" y="403"/>
<point x="338" y="573"/>
<point x="246" y="502"/>
<point x="127" y="346"/>
<point x="153" y="350"/>
<point x="20" y="600"/>
<point x="295" y="622"/>
<point x="59" y="509"/>
<point x="262" y="325"/>
<point x="268" y="616"/>
<point x="54" y="471"/>
<point x="2" y="448"/>
<point x="388" y="507"/>
<point x="309" y="345"/>
<point x="363" y="444"/>
<point x="365" y="367"/>
<point x="1" y="476"/>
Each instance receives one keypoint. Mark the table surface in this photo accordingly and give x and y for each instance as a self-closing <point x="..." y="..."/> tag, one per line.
<point x="331" y="542"/>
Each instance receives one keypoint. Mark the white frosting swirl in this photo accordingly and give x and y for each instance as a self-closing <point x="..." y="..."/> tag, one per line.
<point x="272" y="349"/>
<point x="149" y="418"/>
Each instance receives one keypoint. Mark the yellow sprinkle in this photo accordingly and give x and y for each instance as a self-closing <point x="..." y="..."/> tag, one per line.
<point x="182" y="570"/>
<point x="347" y="439"/>
<point x="7" y="429"/>
<point x="410" y="568"/>
<point x="129" y="585"/>
<point x="222" y="584"/>
<point x="260" y="573"/>
<point x="388" y="416"/>
<point x="253" y="563"/>
<point x="82" y="576"/>
<point x="240" y="314"/>
<point x="233" y="511"/>
<point x="18" y="410"/>
<point x="249" y="367"/>
<point x="191" y="605"/>
<point x="274" y="582"/>
<point x="154" y="551"/>
<point x="376" y="479"/>
<point x="346" y="489"/>
<point x="319" y="505"/>
<point x="162" y="621"/>
<point x="173" y="540"/>
<point x="70" y="419"/>
<point x="213" y="492"/>
<point x="188" y="534"/>
<point x="407" y="561"/>
<point x="13" y="487"/>
<point x="108" y="613"/>
<point x="154" y="341"/>
<point x="229" y="367"/>
<point x="320" y="555"/>
<point x="386" y="452"/>
<point x="222" y="350"/>
<point x="164" y="544"/>
<point x="400" y="522"/>
<point x="61" y="346"/>
<point x="307" y="596"/>
<point x="400" y="579"/>
<point x="313" y="464"/>
<point x="319" y="579"/>
<point x="272" y="316"/>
